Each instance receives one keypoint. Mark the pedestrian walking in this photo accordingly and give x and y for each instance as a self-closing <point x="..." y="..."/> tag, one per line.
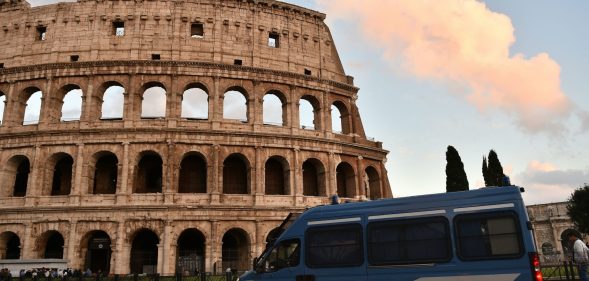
<point x="580" y="255"/>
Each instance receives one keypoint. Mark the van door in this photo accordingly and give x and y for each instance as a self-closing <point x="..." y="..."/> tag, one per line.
<point x="334" y="253"/>
<point x="283" y="263"/>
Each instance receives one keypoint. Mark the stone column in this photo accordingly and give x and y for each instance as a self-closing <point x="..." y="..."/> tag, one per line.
<point x="71" y="245"/>
<point x="166" y="250"/>
<point x="89" y="108"/>
<point x="293" y="110"/>
<point x="129" y="114"/>
<point x="331" y="176"/>
<point x="326" y="116"/>
<point x="120" y="266"/>
<point x="361" y="188"/>
<point x="28" y="244"/>
<point x="216" y="180"/>
<point x="170" y="174"/>
<point x="257" y="175"/>
<point x="297" y="176"/>
<point x="12" y="105"/>
<point x="255" y="106"/>
<point x="216" y="104"/>
<point x="174" y="101"/>
<point x="35" y="186"/>
<point x="47" y="104"/>
<point x="124" y="185"/>
<point x="216" y="258"/>
<point x="77" y="184"/>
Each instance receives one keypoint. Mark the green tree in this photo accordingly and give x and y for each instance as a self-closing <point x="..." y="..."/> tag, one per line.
<point x="495" y="171"/>
<point x="486" y="172"/>
<point x="577" y="207"/>
<point x="455" y="176"/>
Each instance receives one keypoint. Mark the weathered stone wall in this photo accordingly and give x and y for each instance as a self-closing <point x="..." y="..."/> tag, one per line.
<point x="30" y="154"/>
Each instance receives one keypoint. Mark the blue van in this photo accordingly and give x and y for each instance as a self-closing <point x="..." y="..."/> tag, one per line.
<point x="472" y="235"/>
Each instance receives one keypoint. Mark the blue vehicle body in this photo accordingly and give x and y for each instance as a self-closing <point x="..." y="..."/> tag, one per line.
<point x="481" y="234"/>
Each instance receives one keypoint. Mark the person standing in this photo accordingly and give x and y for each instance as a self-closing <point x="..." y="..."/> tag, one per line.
<point x="580" y="255"/>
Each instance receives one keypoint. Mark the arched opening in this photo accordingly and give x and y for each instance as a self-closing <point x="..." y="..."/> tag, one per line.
<point x="62" y="175"/>
<point x="346" y="180"/>
<point x="235" y="175"/>
<point x="277" y="176"/>
<point x="9" y="246"/>
<point x="144" y="252"/>
<point x="149" y="174"/>
<point x="113" y="103"/>
<point x="547" y="248"/>
<point x="2" y="106"/>
<point x="274" y="109"/>
<point x="16" y="177"/>
<point x="195" y="103"/>
<point x="193" y="175"/>
<point x="190" y="252"/>
<point x="52" y="243"/>
<point x="235" y="105"/>
<point x="153" y="105"/>
<point x="106" y="174"/>
<point x="235" y="250"/>
<point x="32" y="111"/>
<point x="22" y="178"/>
<point x="313" y="178"/>
<point x="372" y="183"/>
<point x="340" y="116"/>
<point x="97" y="251"/>
<point x="71" y="108"/>
<point x="309" y="117"/>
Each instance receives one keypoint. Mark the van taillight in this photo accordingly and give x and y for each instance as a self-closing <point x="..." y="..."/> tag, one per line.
<point x="535" y="266"/>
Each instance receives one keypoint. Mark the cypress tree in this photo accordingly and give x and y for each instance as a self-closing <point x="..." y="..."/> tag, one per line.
<point x="495" y="170"/>
<point x="486" y="172"/>
<point x="456" y="179"/>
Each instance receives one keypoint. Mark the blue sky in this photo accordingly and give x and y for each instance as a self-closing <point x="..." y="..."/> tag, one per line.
<point x="417" y="118"/>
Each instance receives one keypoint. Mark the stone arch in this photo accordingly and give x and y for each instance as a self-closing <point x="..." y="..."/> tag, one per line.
<point x="235" y="249"/>
<point x="346" y="180"/>
<point x="144" y="251"/>
<point x="235" y="104"/>
<point x="50" y="245"/>
<point x="61" y="167"/>
<point x="32" y="98"/>
<point x="195" y="102"/>
<point x="193" y="174"/>
<point x="310" y="112"/>
<point x="277" y="176"/>
<point x="274" y="108"/>
<point x="10" y="246"/>
<point x="547" y="248"/>
<point x="153" y="104"/>
<point x="104" y="175"/>
<point x="236" y="174"/>
<point x="3" y="102"/>
<point x="96" y="250"/>
<point x="314" y="178"/>
<point x="112" y="101"/>
<point x="372" y="183"/>
<point x="70" y="101"/>
<point x="190" y="252"/>
<point x="148" y="173"/>
<point x="339" y="110"/>
<point x="15" y="177"/>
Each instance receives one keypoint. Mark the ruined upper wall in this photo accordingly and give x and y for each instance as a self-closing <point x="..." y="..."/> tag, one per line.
<point x="233" y="30"/>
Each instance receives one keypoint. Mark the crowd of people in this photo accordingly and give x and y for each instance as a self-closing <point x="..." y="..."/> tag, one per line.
<point x="47" y="273"/>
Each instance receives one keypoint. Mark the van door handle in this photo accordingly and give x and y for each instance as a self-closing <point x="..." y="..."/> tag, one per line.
<point x="305" y="278"/>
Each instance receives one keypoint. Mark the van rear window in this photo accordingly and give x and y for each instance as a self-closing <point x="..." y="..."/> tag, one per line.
<point x="334" y="246"/>
<point x="415" y="241"/>
<point x="488" y="236"/>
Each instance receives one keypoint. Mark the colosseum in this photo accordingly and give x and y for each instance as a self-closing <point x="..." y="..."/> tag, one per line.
<point x="157" y="136"/>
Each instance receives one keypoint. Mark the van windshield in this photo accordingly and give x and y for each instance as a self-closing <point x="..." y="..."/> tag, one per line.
<point x="274" y="234"/>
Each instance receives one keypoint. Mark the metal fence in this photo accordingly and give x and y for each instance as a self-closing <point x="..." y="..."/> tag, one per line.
<point x="564" y="270"/>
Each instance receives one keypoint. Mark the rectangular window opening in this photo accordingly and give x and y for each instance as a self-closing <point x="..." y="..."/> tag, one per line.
<point x="197" y="30"/>
<point x="274" y="40"/>
<point x="334" y="246"/>
<point x="1" y="65"/>
<point x="118" y="28"/>
<point x="155" y="57"/>
<point x="74" y="58"/>
<point x="307" y="72"/>
<point x="238" y="62"/>
<point x="41" y="33"/>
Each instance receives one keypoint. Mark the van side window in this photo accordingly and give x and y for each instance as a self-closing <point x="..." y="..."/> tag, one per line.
<point x="488" y="236"/>
<point x="414" y="241"/>
<point x="286" y="254"/>
<point x="334" y="246"/>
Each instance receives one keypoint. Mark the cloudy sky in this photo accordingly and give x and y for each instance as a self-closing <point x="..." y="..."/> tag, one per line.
<point x="477" y="75"/>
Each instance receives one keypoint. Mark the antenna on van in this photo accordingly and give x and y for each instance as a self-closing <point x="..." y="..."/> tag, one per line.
<point x="334" y="199"/>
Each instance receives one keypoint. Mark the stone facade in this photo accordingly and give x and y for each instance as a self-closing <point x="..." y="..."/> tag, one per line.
<point x="551" y="225"/>
<point x="158" y="194"/>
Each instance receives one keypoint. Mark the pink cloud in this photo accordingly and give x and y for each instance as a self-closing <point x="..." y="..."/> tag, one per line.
<point x="466" y="45"/>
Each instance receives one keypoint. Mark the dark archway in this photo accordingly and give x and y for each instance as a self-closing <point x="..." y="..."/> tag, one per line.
<point x="235" y="250"/>
<point x="62" y="175"/>
<point x="193" y="175"/>
<point x="372" y="182"/>
<point x="235" y="175"/>
<point x="313" y="178"/>
<point x="106" y="174"/>
<point x="17" y="170"/>
<point x="190" y="252"/>
<point x="144" y="252"/>
<point x="149" y="174"/>
<point x="53" y="245"/>
<point x="97" y="247"/>
<point x="346" y="180"/>
<point x="277" y="176"/>
<point x="9" y="246"/>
